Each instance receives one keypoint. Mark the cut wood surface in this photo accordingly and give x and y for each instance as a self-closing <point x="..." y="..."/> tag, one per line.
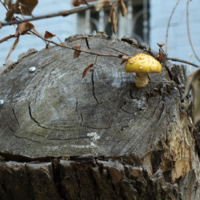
<point x="133" y="139"/>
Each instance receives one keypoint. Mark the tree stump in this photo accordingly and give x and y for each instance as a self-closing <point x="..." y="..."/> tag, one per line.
<point x="94" y="138"/>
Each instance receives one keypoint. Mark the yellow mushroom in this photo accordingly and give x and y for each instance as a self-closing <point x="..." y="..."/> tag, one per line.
<point x="142" y="64"/>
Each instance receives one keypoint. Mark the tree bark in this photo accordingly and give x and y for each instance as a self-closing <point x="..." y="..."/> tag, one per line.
<point x="99" y="137"/>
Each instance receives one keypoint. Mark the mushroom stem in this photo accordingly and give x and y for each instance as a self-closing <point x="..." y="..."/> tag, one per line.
<point x="141" y="80"/>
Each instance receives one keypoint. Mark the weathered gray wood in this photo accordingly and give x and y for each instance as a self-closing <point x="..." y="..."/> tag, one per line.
<point x="118" y="141"/>
<point x="51" y="111"/>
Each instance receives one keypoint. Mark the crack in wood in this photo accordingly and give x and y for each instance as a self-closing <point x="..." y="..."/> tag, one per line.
<point x="87" y="43"/>
<point x="47" y="128"/>
<point x="30" y="113"/>
<point x="118" y="51"/>
<point x="13" y="110"/>
<point x="93" y="89"/>
<point x="13" y="133"/>
<point x="125" y="111"/>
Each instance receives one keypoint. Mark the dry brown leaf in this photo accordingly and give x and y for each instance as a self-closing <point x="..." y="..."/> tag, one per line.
<point x="16" y="7"/>
<point x="122" y="8"/>
<point x="157" y="55"/>
<point x="76" y="53"/>
<point x="13" y="9"/>
<point x="10" y="14"/>
<point x="162" y="56"/>
<point x="113" y="20"/>
<point x="193" y="82"/>
<point x="7" y="2"/>
<point x="86" y="69"/>
<point x="14" y="19"/>
<point x="31" y="3"/>
<point x="78" y="2"/>
<point x="24" y="27"/>
<point x="124" y="59"/>
<point x="49" y="35"/>
<point x="47" y="45"/>
<point x="111" y="11"/>
<point x="102" y="4"/>
<point x="77" y="46"/>
<point x="12" y="48"/>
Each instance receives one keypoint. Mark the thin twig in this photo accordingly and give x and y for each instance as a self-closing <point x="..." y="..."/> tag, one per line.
<point x="182" y="61"/>
<point x="4" y="5"/>
<point x="102" y="54"/>
<point x="59" y="39"/>
<point x="188" y="28"/>
<point x="63" y="13"/>
<point x="81" y="50"/>
<point x="86" y="2"/>
<point x="33" y="28"/>
<point x="7" y="38"/>
<point x="29" y="10"/>
<point x="169" y="26"/>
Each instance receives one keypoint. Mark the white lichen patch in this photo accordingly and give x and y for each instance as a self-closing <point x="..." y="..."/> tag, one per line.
<point x="94" y="136"/>
<point x="91" y="134"/>
<point x="81" y="146"/>
<point x="92" y="145"/>
<point x="116" y="83"/>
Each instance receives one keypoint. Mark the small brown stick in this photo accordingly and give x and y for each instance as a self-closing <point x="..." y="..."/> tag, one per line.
<point x="81" y="50"/>
<point x="7" y="38"/>
<point x="86" y="2"/>
<point x="169" y="26"/>
<point x="33" y="28"/>
<point x="4" y="5"/>
<point x="63" y="13"/>
<point x="102" y="54"/>
<point x="183" y="61"/>
<point x="188" y="28"/>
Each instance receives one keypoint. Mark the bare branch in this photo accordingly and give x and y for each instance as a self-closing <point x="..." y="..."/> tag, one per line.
<point x="182" y="61"/>
<point x="188" y="28"/>
<point x="81" y="50"/>
<point x="12" y="48"/>
<point x="4" y="5"/>
<point x="7" y="38"/>
<point x="169" y="25"/>
<point x="107" y="55"/>
<point x="63" y="13"/>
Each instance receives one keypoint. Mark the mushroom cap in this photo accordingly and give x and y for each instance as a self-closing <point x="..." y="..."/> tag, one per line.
<point x="143" y="63"/>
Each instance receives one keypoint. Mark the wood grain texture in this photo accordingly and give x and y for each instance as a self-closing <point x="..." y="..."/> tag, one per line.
<point x="117" y="141"/>
<point x="51" y="111"/>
